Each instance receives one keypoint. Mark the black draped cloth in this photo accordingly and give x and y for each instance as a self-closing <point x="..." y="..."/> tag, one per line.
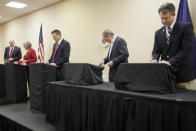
<point x="146" y="77"/>
<point x="83" y="73"/>
<point x="16" y="82"/>
<point x="2" y="80"/>
<point x="7" y="124"/>
<point x="105" y="108"/>
<point x="40" y="74"/>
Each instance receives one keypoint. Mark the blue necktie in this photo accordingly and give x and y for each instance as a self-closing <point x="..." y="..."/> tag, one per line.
<point x="169" y="34"/>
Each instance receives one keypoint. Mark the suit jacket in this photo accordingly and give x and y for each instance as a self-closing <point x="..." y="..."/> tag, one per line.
<point x="119" y="54"/>
<point x="177" y="52"/>
<point x="62" y="54"/>
<point x="17" y="55"/>
<point x="30" y="57"/>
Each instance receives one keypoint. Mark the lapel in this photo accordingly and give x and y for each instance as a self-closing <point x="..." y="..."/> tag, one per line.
<point x="114" y="46"/>
<point x="59" y="46"/>
<point x="174" y="31"/>
<point x="8" y="51"/>
<point x="163" y="34"/>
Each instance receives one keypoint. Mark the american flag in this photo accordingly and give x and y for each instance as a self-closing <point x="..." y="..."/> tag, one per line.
<point x="41" y="46"/>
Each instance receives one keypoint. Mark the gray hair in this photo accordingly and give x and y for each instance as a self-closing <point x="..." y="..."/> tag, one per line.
<point x="107" y="33"/>
<point x="11" y="41"/>
<point x="27" y="44"/>
<point x="167" y="7"/>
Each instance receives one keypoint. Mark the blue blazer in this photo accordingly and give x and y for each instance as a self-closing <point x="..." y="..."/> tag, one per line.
<point x="62" y="54"/>
<point x="178" y="51"/>
<point x="119" y="54"/>
<point x="17" y="55"/>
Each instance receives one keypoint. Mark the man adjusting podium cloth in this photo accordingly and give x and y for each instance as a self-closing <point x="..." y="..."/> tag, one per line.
<point x="173" y="45"/>
<point x="12" y="53"/>
<point x="60" y="53"/>
<point x="118" y="53"/>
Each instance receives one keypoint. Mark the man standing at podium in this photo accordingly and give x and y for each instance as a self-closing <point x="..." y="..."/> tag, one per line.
<point x="173" y="45"/>
<point x="12" y="53"/>
<point x="118" y="52"/>
<point x="60" y="53"/>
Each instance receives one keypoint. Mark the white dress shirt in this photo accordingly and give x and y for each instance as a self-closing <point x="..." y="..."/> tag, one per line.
<point x="112" y="43"/>
<point x="60" y="42"/>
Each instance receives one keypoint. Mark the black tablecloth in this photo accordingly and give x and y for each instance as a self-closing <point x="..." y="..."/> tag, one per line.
<point x="104" y="108"/>
<point x="83" y="73"/>
<point x="16" y="82"/>
<point x="146" y="77"/>
<point x="7" y="124"/>
<point x="2" y="81"/>
<point x="40" y="74"/>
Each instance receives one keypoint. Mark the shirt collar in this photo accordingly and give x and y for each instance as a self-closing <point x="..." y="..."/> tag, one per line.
<point x="60" y="41"/>
<point x="113" y="40"/>
<point x="172" y="25"/>
<point x="12" y="47"/>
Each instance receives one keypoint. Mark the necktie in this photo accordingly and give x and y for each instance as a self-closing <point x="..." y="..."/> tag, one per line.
<point x="54" y="52"/>
<point x="110" y="50"/>
<point x="11" y="52"/>
<point x="169" y="34"/>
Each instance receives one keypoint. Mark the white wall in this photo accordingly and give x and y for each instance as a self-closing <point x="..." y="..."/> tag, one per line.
<point x="82" y="22"/>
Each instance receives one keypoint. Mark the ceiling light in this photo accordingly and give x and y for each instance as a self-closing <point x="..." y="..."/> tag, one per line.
<point x="0" y="17"/>
<point x="16" y="4"/>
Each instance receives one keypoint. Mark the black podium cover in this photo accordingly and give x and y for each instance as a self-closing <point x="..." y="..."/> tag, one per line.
<point x="16" y="82"/>
<point x="146" y="77"/>
<point x="2" y="81"/>
<point x="83" y="74"/>
<point x="40" y="74"/>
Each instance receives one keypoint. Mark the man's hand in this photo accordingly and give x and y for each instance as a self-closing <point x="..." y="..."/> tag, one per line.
<point x="153" y="61"/>
<point x="110" y="64"/>
<point x="6" y="61"/>
<point x="101" y="64"/>
<point x="10" y="59"/>
<point x="53" y="64"/>
<point x="165" y="62"/>
<point x="24" y="61"/>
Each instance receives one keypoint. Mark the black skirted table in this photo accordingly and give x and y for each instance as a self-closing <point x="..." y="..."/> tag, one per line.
<point x="40" y="74"/>
<point x="2" y="80"/>
<point x="105" y="108"/>
<point x="16" y="83"/>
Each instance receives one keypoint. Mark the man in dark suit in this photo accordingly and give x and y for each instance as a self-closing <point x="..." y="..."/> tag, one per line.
<point x="118" y="53"/>
<point x="60" y="53"/>
<point x="12" y="53"/>
<point x="173" y="45"/>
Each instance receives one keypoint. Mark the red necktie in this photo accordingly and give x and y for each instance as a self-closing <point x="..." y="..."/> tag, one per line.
<point x="11" y="53"/>
<point x="54" y="53"/>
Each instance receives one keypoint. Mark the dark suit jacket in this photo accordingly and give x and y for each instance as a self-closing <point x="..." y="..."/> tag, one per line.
<point x="17" y="55"/>
<point x="61" y="57"/>
<point x="119" y="54"/>
<point x="177" y="52"/>
<point x="62" y="54"/>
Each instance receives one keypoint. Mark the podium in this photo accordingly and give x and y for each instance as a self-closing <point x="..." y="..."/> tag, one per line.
<point x="39" y="75"/>
<point x="145" y="77"/>
<point x="16" y="83"/>
<point x="2" y="80"/>
<point x="83" y="73"/>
